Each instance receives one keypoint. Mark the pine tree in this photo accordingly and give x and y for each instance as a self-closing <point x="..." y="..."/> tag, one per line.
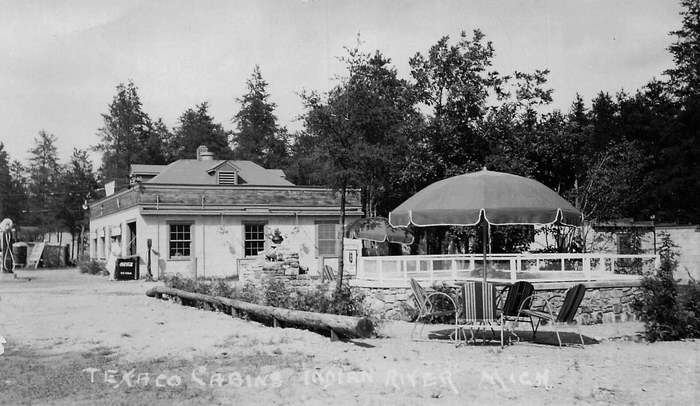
<point x="258" y="138"/>
<point x="128" y="137"/>
<point x="44" y="187"/>
<point x="197" y="127"/>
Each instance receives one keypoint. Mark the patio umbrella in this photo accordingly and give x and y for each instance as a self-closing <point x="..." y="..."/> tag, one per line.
<point x="484" y="198"/>
<point x="378" y="229"/>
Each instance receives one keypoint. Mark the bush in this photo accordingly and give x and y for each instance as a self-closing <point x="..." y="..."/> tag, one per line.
<point x="441" y="303"/>
<point x="276" y="292"/>
<point x="347" y="302"/>
<point x="316" y="300"/>
<point x="91" y="266"/>
<point x="669" y="311"/>
<point x="177" y="281"/>
<point x="250" y="293"/>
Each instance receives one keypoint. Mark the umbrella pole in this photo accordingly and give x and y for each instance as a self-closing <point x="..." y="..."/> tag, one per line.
<point x="484" y="228"/>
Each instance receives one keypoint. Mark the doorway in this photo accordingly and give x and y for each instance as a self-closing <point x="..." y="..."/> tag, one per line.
<point x="132" y="238"/>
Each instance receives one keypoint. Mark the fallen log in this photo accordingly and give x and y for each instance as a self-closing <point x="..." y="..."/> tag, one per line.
<point x="346" y="326"/>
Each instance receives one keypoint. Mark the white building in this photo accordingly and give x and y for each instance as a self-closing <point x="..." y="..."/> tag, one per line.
<point x="206" y="217"/>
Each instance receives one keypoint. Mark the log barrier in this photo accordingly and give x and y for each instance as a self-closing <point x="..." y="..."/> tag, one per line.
<point x="346" y="326"/>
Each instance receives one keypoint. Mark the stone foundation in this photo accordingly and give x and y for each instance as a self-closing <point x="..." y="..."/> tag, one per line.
<point x="601" y="304"/>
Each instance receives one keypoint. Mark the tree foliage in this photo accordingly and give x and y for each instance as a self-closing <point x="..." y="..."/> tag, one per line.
<point x="128" y="136"/>
<point x="455" y="82"/>
<point x="79" y="186"/>
<point x="359" y="128"/>
<point x="258" y="137"/>
<point x="44" y="183"/>
<point x="8" y="202"/>
<point x="197" y="127"/>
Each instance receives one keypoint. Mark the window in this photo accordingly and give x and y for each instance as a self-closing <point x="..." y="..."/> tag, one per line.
<point x="327" y="241"/>
<point x="254" y="238"/>
<point x="102" y="247"/>
<point x="627" y="245"/>
<point x="180" y="241"/>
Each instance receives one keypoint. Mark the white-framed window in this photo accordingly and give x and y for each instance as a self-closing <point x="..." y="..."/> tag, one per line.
<point x="180" y="240"/>
<point x="254" y="237"/>
<point x="327" y="238"/>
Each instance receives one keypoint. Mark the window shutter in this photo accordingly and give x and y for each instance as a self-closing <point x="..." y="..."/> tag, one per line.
<point x="228" y="178"/>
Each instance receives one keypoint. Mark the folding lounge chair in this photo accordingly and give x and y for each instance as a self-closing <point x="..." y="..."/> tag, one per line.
<point x="479" y="308"/>
<point x="566" y="314"/>
<point x="328" y="274"/>
<point x="427" y="307"/>
<point x="519" y="297"/>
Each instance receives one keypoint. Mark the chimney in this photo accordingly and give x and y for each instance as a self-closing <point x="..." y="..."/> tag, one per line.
<point x="203" y="153"/>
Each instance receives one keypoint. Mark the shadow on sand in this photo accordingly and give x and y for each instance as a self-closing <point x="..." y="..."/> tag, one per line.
<point x="486" y="337"/>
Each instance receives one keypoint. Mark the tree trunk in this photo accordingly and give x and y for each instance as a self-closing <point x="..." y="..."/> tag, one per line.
<point x="339" y="282"/>
<point x="345" y="325"/>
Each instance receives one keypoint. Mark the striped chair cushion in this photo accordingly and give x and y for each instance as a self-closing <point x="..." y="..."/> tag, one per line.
<point x="419" y="294"/>
<point x="479" y="302"/>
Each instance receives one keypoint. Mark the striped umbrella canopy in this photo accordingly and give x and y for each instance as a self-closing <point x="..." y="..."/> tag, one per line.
<point x="485" y="197"/>
<point x="378" y="229"/>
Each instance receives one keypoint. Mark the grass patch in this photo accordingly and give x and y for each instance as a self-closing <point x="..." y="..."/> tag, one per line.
<point x="95" y="377"/>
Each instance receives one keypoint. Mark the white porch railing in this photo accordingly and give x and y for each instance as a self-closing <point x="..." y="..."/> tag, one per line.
<point x="506" y="268"/>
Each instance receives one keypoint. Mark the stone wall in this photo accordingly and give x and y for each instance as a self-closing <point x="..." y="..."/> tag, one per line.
<point x="599" y="305"/>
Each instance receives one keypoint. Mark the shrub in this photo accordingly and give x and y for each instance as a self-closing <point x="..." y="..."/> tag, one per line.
<point x="250" y="293"/>
<point x="347" y="301"/>
<point x="689" y="301"/>
<point x="315" y="300"/>
<point x="441" y="303"/>
<point x="91" y="266"/>
<point x="177" y="281"/>
<point x="276" y="293"/>
<point x="669" y="311"/>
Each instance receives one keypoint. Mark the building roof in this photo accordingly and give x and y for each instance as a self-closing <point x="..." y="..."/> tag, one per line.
<point x="140" y="169"/>
<point x="245" y="200"/>
<point x="623" y="223"/>
<point x="203" y="172"/>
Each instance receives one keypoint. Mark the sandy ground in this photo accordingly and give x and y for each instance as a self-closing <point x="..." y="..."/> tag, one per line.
<point x="79" y="339"/>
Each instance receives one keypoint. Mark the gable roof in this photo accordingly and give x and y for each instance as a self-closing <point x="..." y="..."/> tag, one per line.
<point x="196" y="172"/>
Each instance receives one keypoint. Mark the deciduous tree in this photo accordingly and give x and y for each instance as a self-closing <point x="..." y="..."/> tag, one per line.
<point x="359" y="128"/>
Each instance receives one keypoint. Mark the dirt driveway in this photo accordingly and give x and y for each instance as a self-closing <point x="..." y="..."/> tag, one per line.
<point x="77" y="339"/>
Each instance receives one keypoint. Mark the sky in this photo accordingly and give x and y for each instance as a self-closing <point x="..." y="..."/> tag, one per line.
<point x="61" y="61"/>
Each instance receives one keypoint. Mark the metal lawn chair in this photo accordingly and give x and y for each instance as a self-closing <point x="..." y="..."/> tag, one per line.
<point x="518" y="297"/>
<point x="567" y="312"/>
<point x="479" y="309"/>
<point x="428" y="307"/>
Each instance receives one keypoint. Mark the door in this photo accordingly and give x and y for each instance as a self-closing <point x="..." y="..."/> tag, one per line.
<point x="132" y="238"/>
